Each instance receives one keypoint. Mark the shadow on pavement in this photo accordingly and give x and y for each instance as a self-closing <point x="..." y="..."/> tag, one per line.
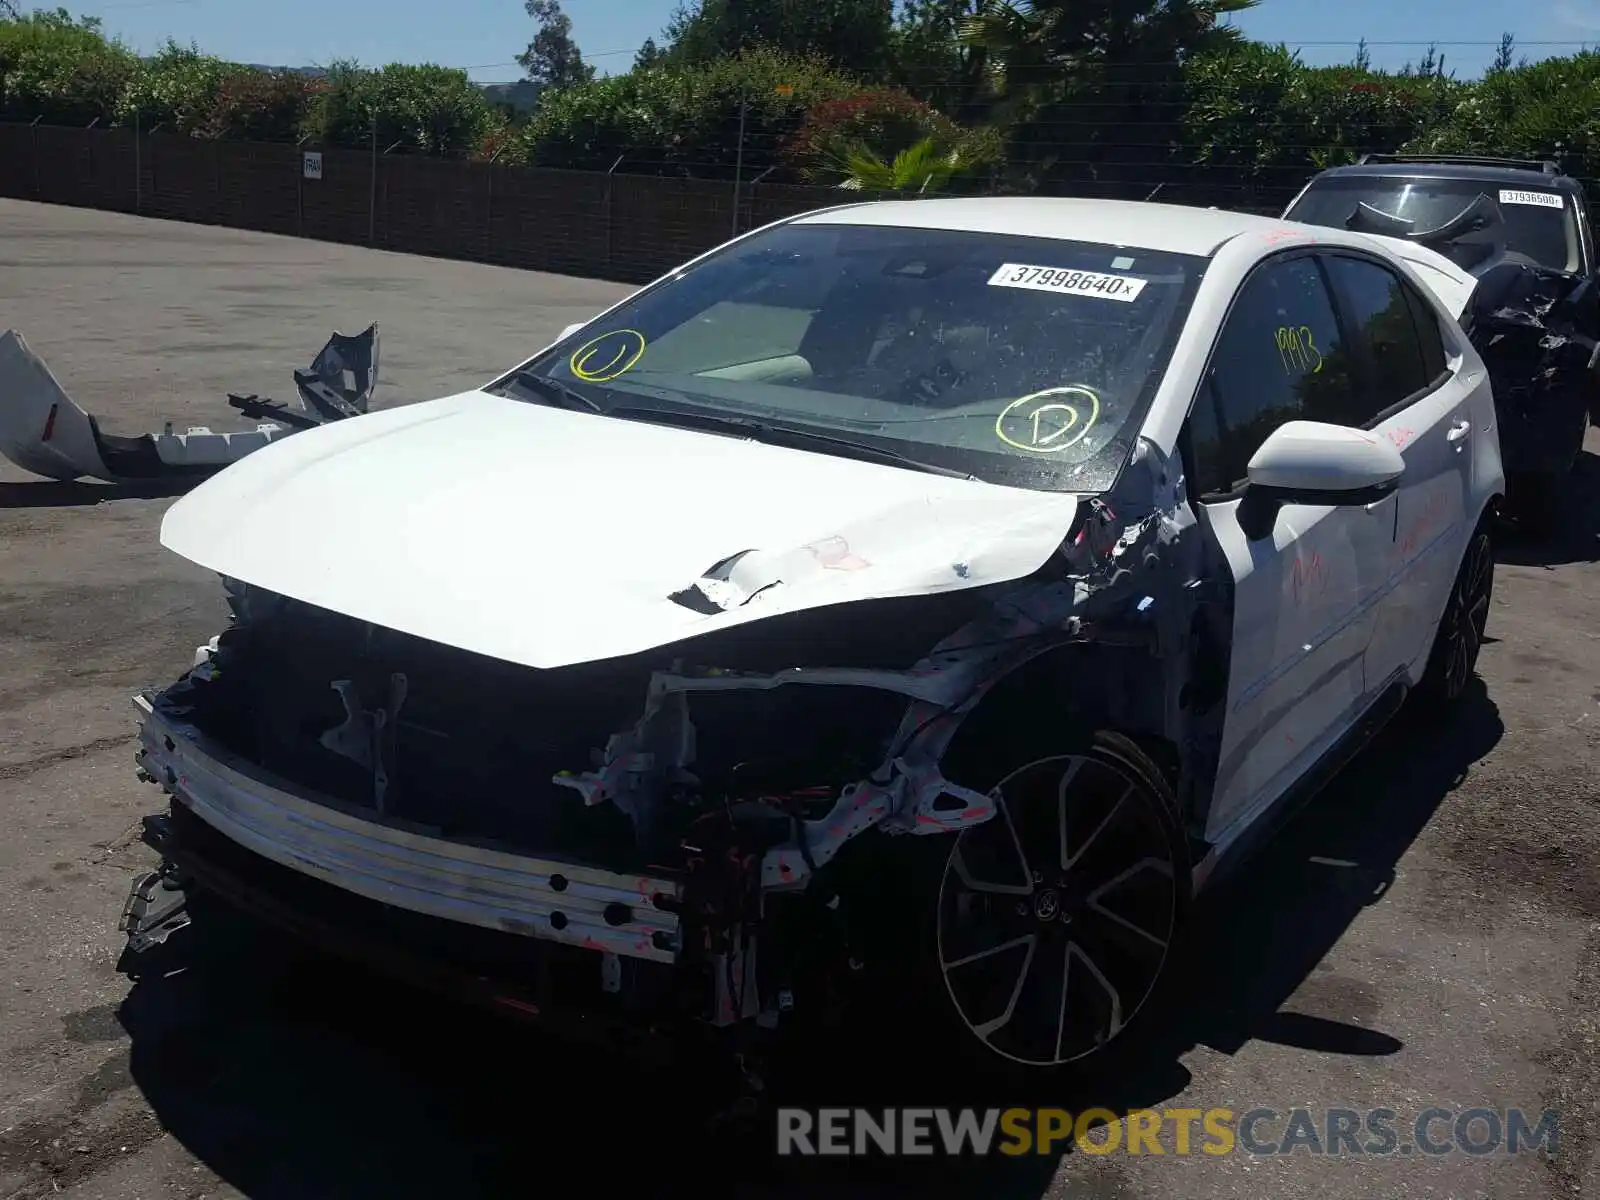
<point x="295" y="1079"/>
<point x="1574" y="536"/>
<point x="1265" y="929"/>
<point x="50" y="493"/>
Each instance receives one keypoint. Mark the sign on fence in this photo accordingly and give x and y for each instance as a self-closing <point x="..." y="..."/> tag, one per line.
<point x="311" y="164"/>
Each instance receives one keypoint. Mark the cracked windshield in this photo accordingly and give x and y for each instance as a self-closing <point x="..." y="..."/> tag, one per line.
<point x="1020" y="361"/>
<point x="1538" y="225"/>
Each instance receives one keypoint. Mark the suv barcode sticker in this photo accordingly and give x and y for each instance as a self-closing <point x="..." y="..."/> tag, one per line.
<point x="1542" y="199"/>
<point x="1068" y="282"/>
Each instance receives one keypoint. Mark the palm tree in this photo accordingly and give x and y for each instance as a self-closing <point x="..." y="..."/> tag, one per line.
<point x="919" y="168"/>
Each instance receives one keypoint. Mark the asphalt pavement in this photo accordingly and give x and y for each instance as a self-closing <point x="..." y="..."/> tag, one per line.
<point x="1426" y="934"/>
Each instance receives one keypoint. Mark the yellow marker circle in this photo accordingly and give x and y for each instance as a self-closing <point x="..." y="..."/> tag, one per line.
<point x="607" y="356"/>
<point x="1049" y="424"/>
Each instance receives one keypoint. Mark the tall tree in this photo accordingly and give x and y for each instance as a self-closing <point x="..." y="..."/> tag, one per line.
<point x="553" y="59"/>
<point x="1431" y="66"/>
<point x="1094" y="93"/>
<point x="649" y="55"/>
<point x="1504" y="57"/>
<point x="930" y="59"/>
<point x="854" y="35"/>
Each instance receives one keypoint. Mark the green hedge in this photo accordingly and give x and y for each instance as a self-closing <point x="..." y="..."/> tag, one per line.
<point x="65" y="72"/>
<point x="1545" y="109"/>
<point x="420" y="110"/>
<point x="1259" y="110"/>
<point x="60" y="71"/>
<point x="1252" y="114"/>
<point x="684" y="120"/>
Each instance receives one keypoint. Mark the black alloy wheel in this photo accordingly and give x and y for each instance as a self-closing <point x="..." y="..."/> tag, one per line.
<point x="1057" y="917"/>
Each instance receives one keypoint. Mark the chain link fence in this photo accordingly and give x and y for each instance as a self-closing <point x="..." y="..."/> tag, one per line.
<point x="613" y="225"/>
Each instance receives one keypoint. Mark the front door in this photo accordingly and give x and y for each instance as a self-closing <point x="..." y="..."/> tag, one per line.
<point x="1307" y="586"/>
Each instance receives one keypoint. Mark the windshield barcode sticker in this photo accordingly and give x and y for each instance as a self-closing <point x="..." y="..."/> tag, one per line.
<point x="1068" y="282"/>
<point x="1541" y="199"/>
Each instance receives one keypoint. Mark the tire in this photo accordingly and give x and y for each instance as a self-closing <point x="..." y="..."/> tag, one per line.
<point x="1453" y="659"/>
<point x="1036" y="941"/>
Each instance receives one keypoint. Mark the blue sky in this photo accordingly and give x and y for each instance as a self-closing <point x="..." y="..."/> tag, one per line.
<point x="485" y="35"/>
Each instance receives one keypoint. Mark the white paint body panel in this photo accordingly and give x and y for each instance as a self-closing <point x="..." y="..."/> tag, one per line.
<point x="1446" y="438"/>
<point x="1301" y="626"/>
<point x="1229" y="265"/>
<point x="1340" y="602"/>
<point x="1169" y="228"/>
<point x="29" y="394"/>
<point x="545" y="537"/>
<point x="1451" y="285"/>
<point x="1311" y="456"/>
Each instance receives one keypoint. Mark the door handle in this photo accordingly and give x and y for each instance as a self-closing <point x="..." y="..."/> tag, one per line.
<point x="1458" y="431"/>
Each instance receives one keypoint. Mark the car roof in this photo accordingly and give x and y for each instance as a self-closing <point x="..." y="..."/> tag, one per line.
<point x="1165" y="228"/>
<point x="1473" y="172"/>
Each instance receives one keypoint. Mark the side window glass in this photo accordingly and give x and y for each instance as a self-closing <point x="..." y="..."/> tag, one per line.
<point x="1432" y="341"/>
<point x="1377" y="299"/>
<point x="1205" y="441"/>
<point x="1280" y="358"/>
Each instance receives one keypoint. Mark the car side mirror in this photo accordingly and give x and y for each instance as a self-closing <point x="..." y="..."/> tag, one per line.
<point x="1312" y="462"/>
<point x="570" y="330"/>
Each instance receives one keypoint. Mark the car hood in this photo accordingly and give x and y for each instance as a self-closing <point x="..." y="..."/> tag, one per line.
<point x="546" y="537"/>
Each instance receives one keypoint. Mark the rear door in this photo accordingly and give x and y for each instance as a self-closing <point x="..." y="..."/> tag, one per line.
<point x="1414" y="398"/>
<point x="1305" y="588"/>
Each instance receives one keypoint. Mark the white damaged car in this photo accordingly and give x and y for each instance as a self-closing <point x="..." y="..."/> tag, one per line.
<point x="909" y="602"/>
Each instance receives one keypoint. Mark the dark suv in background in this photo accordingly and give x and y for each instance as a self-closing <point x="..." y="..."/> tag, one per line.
<point x="1522" y="228"/>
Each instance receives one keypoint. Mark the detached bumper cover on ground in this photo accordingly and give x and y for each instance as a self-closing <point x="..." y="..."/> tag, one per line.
<point x="43" y="430"/>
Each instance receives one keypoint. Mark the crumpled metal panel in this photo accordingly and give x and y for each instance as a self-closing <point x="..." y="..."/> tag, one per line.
<point x="341" y="379"/>
<point x="1535" y="331"/>
<point x="45" y="431"/>
<point x="1107" y="568"/>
